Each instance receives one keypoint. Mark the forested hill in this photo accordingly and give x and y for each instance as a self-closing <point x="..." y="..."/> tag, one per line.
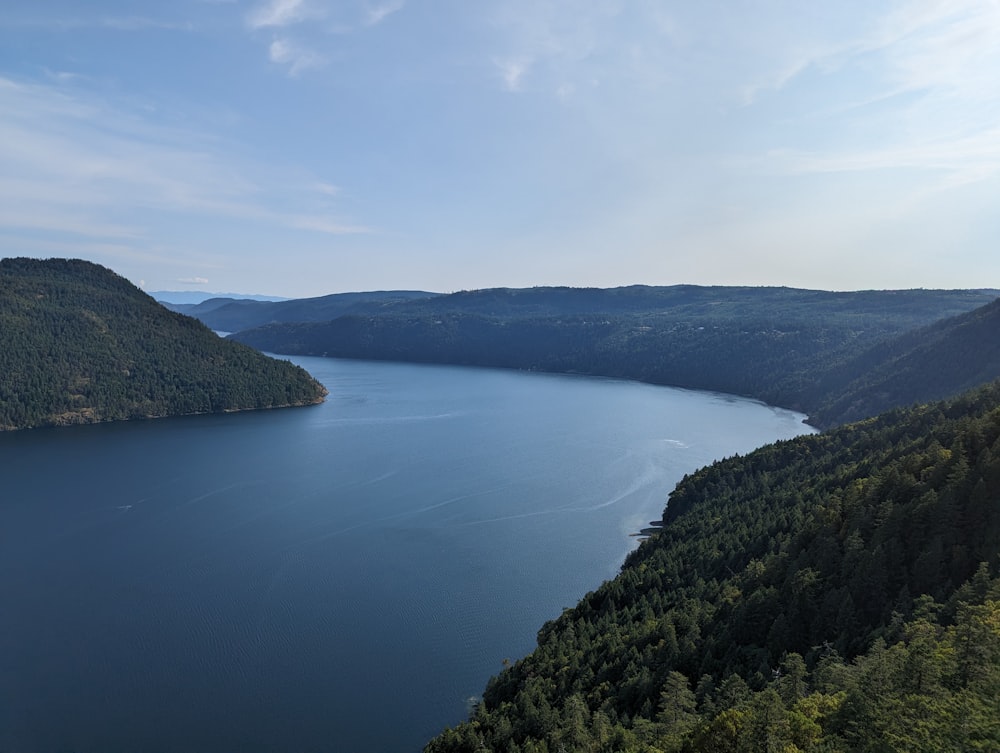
<point x="711" y="304"/>
<point x="773" y="344"/>
<point x="835" y="592"/>
<point x="79" y="344"/>
<point x="929" y="363"/>
<point x="233" y="315"/>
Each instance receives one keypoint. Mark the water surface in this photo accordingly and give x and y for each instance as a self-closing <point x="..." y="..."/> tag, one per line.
<point x="339" y="577"/>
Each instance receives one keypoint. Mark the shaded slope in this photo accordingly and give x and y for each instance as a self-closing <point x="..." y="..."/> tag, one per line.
<point x="768" y="343"/>
<point x="833" y="592"/>
<point x="79" y="344"/>
<point x="930" y="363"/>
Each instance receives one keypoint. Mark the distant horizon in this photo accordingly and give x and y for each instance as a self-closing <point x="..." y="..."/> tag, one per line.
<point x="303" y="146"/>
<point x="207" y="295"/>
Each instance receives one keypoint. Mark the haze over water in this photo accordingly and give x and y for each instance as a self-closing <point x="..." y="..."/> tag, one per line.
<point x="341" y="577"/>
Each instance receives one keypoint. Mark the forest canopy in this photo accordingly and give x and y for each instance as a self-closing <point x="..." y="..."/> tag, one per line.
<point x="80" y="344"/>
<point x="834" y="592"/>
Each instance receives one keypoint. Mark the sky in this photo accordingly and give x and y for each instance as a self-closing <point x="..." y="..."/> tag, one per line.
<point x="304" y="147"/>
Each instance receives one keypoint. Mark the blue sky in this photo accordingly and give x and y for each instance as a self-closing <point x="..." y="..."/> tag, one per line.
<point x="303" y="147"/>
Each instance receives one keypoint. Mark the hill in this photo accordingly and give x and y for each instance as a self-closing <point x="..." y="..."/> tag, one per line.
<point x="925" y="364"/>
<point x="193" y="297"/>
<point x="708" y="303"/>
<point x="835" y="592"/>
<point x="232" y="315"/>
<point x="79" y="344"/>
<point x="774" y="344"/>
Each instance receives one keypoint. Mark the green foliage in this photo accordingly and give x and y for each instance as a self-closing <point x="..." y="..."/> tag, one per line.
<point x="79" y="344"/>
<point x="835" y="592"/>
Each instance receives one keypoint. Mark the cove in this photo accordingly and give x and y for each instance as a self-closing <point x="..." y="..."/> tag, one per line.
<point x="340" y="577"/>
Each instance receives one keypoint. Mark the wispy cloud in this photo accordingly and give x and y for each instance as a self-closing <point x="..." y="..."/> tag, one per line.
<point x="570" y="47"/>
<point x="304" y="29"/>
<point x="951" y="48"/>
<point x="378" y="13"/>
<point x="75" y="165"/>
<point x="512" y="72"/>
<point x="278" y="13"/>
<point x="328" y="189"/>
<point x="954" y="162"/>
<point x="21" y="215"/>
<point x="284" y="51"/>
<point x="192" y="280"/>
<point x="932" y="67"/>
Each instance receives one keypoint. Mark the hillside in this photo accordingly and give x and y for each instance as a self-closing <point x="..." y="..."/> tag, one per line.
<point x="708" y="303"/>
<point x="926" y="364"/>
<point x="79" y="344"/>
<point x="773" y="344"/>
<point x="233" y="315"/>
<point x="835" y="592"/>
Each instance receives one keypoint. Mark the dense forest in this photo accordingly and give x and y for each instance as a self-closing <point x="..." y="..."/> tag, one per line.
<point x="79" y="344"/>
<point x="806" y="350"/>
<point x="835" y="592"/>
<point x="924" y="364"/>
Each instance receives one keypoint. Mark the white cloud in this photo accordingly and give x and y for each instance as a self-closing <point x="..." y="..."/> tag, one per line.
<point x="328" y="189"/>
<point x="377" y="14"/>
<point x="304" y="27"/>
<point x="191" y="281"/>
<point x="280" y="13"/>
<point x="284" y="51"/>
<point x="512" y="72"/>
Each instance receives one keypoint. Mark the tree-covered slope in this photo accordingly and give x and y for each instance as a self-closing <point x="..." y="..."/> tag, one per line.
<point x="768" y="343"/>
<point x="834" y="592"/>
<point x="925" y="364"/>
<point x="79" y="344"/>
<point x="710" y="304"/>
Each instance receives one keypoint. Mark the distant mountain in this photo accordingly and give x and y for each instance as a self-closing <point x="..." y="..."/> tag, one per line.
<point x="683" y="301"/>
<point x="229" y="315"/>
<point x="191" y="297"/>
<point x="79" y="344"/>
<point x="773" y="344"/>
<point x="922" y="365"/>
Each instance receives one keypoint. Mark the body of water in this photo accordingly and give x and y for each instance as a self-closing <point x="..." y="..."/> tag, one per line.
<point x="333" y="578"/>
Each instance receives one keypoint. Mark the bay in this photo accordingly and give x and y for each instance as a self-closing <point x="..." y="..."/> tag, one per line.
<point x="340" y="577"/>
